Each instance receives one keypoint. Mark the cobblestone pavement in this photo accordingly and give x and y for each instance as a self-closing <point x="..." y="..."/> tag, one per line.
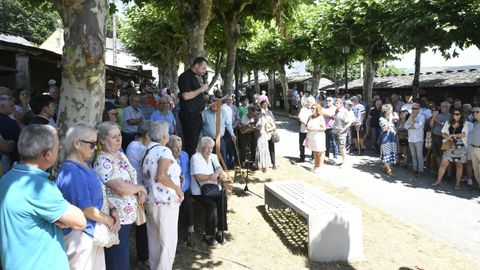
<point x="443" y="213"/>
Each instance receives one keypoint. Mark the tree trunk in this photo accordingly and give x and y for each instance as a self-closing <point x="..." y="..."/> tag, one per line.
<point x="368" y="76"/>
<point x="82" y="95"/>
<point x="249" y="78"/>
<point x="198" y="17"/>
<point x="218" y="66"/>
<point x="283" y="79"/>
<point x="257" y="83"/>
<point x="172" y="72"/>
<point x="416" y="77"/>
<point x="316" y="76"/>
<point x="335" y="81"/>
<point x="271" y="86"/>
<point x="231" y="39"/>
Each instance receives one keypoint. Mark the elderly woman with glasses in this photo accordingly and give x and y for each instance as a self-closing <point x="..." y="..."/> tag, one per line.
<point x="454" y="132"/>
<point x="81" y="186"/>
<point x="123" y="192"/>
<point x="161" y="176"/>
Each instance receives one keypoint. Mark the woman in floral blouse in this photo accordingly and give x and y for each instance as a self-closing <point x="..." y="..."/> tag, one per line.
<point x="120" y="178"/>
<point x="161" y="176"/>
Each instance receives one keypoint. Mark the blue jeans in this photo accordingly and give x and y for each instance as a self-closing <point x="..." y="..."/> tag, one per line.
<point x="118" y="257"/>
<point x="375" y="134"/>
<point x="330" y="142"/>
<point x="416" y="150"/>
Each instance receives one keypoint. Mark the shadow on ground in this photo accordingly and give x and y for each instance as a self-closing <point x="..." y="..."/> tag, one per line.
<point x="402" y="176"/>
<point x="292" y="230"/>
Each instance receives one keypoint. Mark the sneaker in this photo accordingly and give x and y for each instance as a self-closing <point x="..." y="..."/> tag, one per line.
<point x="469" y="182"/>
<point x="220" y="239"/>
<point x="211" y="241"/>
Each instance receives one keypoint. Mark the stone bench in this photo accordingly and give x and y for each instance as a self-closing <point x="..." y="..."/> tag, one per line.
<point x="334" y="227"/>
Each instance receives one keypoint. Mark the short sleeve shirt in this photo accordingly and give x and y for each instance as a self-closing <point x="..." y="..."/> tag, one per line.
<point x="168" y="117"/>
<point x="131" y="113"/>
<point x="184" y="162"/>
<point x="342" y="118"/>
<point x="158" y="193"/>
<point x="357" y="111"/>
<point x="198" y="165"/>
<point x="109" y="168"/>
<point x="375" y="117"/>
<point x="81" y="187"/>
<point x="135" y="151"/>
<point x="188" y="82"/>
<point x="29" y="205"/>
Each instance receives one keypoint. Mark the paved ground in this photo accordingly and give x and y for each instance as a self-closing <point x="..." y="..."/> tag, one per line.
<point x="444" y="214"/>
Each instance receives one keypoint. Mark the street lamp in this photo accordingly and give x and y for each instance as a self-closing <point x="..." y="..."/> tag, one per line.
<point x="346" y="51"/>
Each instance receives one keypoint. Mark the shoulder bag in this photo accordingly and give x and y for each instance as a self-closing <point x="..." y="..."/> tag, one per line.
<point x="102" y="235"/>
<point x="210" y="190"/>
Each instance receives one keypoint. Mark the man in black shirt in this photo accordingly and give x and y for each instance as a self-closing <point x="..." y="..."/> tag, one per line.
<point x="192" y="86"/>
<point x="43" y="106"/>
<point x="9" y="130"/>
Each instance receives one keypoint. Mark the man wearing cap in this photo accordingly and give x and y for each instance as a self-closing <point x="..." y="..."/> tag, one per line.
<point x="192" y="86"/>
<point x="343" y="121"/>
<point x="303" y="116"/>
<point x="357" y="130"/>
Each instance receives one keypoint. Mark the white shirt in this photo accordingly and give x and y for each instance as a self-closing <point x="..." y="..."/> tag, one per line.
<point x="407" y="107"/>
<point x="228" y="113"/>
<point x="415" y="131"/>
<point x="131" y="113"/>
<point x="135" y="152"/>
<point x="156" y="192"/>
<point x="198" y="165"/>
<point x="303" y="117"/>
<point x="357" y="111"/>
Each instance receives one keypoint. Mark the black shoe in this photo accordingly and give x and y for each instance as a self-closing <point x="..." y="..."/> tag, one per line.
<point x="191" y="239"/>
<point x="301" y="160"/>
<point x="220" y="238"/>
<point x="274" y="167"/>
<point x="210" y="241"/>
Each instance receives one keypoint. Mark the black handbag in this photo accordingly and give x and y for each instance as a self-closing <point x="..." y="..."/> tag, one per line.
<point x="210" y="190"/>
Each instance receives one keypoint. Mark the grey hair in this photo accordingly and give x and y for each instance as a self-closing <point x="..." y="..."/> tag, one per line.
<point x="132" y="97"/>
<point x="34" y="140"/>
<point x="445" y="104"/>
<point x="104" y="128"/>
<point x="143" y="128"/>
<point x="204" y="141"/>
<point x="173" y="139"/>
<point x="75" y="133"/>
<point x="157" y="130"/>
<point x="467" y="106"/>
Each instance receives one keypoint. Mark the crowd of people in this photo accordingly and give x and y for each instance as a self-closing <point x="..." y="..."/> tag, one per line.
<point x="416" y="134"/>
<point x="152" y="155"/>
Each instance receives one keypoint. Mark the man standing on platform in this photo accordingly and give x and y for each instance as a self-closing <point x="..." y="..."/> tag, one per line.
<point x="192" y="86"/>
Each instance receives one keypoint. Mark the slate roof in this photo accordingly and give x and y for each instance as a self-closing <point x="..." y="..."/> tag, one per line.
<point x="459" y="78"/>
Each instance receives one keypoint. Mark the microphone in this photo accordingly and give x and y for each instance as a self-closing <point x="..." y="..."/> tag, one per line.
<point x="205" y="78"/>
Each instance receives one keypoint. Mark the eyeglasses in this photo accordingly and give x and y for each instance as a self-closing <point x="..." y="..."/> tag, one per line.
<point x="415" y="108"/>
<point x="456" y="114"/>
<point x="113" y="113"/>
<point x="93" y="145"/>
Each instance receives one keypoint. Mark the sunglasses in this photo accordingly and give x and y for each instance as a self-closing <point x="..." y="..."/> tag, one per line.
<point x="415" y="108"/>
<point x="93" y="145"/>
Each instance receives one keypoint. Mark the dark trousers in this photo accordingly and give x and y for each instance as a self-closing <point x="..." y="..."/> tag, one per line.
<point x="118" y="257"/>
<point x="127" y="138"/>
<point x="271" y="149"/>
<point x="330" y="143"/>
<point x="191" y="127"/>
<point x="187" y="208"/>
<point x="215" y="216"/>
<point x="248" y="145"/>
<point x="301" y="139"/>
<point x="141" y="242"/>
<point x="231" y="155"/>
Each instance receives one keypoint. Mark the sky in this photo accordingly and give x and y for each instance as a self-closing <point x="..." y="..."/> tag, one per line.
<point x="468" y="57"/>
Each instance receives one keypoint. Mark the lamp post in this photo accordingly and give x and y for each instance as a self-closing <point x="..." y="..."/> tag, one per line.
<point x="346" y="51"/>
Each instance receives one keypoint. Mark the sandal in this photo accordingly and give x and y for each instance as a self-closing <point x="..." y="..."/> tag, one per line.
<point x="457" y="187"/>
<point x="436" y="184"/>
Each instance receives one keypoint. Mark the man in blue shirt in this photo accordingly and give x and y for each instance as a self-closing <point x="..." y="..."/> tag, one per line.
<point x="32" y="209"/>
<point x="164" y="114"/>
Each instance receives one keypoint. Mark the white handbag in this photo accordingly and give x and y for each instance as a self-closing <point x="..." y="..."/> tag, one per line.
<point x="102" y="235"/>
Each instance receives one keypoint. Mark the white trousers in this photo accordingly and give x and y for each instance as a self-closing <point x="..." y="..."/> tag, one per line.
<point x="476" y="163"/>
<point x="162" y="234"/>
<point x="82" y="253"/>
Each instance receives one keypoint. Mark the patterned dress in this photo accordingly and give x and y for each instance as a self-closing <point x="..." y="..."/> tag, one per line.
<point x="458" y="151"/>
<point x="388" y="140"/>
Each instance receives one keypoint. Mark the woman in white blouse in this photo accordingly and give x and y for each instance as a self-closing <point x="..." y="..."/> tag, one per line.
<point x="161" y="177"/>
<point x="116" y="172"/>
<point x="205" y="168"/>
